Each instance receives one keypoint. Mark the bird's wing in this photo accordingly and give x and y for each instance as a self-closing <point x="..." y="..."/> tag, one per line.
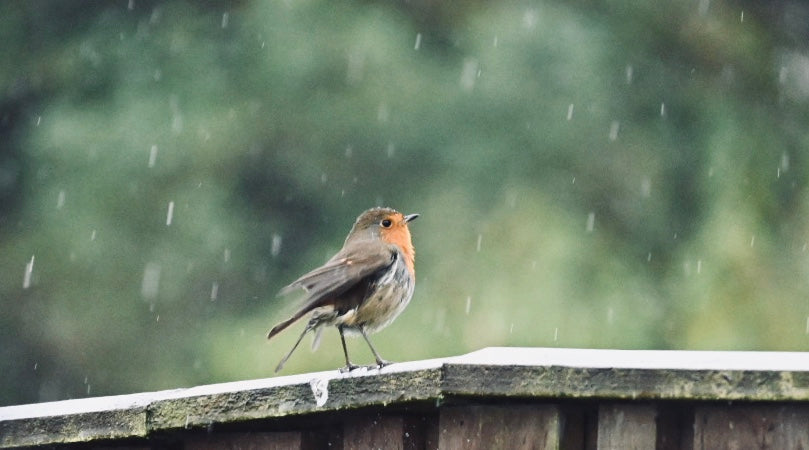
<point x="341" y="273"/>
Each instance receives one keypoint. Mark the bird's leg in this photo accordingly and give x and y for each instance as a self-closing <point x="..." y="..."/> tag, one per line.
<point x="380" y="363"/>
<point x="349" y="366"/>
<point x="300" y="338"/>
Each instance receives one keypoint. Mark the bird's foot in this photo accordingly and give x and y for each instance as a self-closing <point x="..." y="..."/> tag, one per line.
<point x="380" y="363"/>
<point x="352" y="367"/>
<point x="348" y="368"/>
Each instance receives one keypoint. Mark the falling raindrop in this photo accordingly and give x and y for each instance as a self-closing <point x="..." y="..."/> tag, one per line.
<point x="151" y="280"/>
<point x="752" y="240"/>
<point x="530" y="19"/>
<point x="177" y="117"/>
<point x="511" y="199"/>
<point x="556" y="334"/>
<point x="390" y="150"/>
<point x="214" y="290"/>
<point x="60" y="200"/>
<point x="480" y="240"/>
<point x="591" y="221"/>
<point x="225" y="20"/>
<point x="417" y="45"/>
<point x="614" y="128"/>
<point x="662" y="110"/>
<point x="226" y="255"/>
<point x="275" y="246"/>
<point x="570" y="111"/>
<point x="382" y="113"/>
<point x="152" y="156"/>
<point x="356" y="66"/>
<point x="29" y="269"/>
<point x="784" y="163"/>
<point x="468" y="304"/>
<point x="702" y="9"/>
<point x="646" y="187"/>
<point x="170" y="213"/>
<point x="93" y="235"/>
<point x="629" y="73"/>
<point x="469" y="73"/>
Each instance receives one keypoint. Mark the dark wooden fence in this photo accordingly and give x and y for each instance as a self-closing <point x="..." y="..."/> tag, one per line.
<point x="496" y="398"/>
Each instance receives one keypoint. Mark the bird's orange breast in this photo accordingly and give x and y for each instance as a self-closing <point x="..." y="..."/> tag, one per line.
<point x="399" y="235"/>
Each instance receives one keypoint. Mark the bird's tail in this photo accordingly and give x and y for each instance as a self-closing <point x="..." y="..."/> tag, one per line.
<point x="281" y="326"/>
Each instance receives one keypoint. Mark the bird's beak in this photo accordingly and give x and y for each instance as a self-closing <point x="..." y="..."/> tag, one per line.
<point x="410" y="217"/>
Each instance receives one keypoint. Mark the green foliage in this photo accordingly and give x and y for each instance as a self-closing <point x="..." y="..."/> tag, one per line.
<point x="594" y="175"/>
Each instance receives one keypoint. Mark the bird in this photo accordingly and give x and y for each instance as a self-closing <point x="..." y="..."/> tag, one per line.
<point x="363" y="287"/>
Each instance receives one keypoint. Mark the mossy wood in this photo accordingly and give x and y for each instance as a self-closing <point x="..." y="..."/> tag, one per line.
<point x="493" y="398"/>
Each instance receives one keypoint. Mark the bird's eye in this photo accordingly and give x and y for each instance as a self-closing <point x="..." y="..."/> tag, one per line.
<point x="386" y="223"/>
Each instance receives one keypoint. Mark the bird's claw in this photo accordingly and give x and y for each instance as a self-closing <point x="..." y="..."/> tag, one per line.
<point x="352" y="367"/>
<point x="348" y="368"/>
<point x="380" y="363"/>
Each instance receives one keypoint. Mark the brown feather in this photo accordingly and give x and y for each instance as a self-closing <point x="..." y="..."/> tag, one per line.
<point x="339" y="275"/>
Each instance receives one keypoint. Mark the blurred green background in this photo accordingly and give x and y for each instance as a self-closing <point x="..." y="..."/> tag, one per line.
<point x="590" y="174"/>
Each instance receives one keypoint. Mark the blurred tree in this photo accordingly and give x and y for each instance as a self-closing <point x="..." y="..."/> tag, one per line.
<point x="599" y="174"/>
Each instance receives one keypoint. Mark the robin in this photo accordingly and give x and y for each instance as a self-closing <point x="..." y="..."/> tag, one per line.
<point x="362" y="288"/>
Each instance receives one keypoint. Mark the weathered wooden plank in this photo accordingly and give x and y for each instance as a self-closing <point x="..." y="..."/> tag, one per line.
<point x="404" y="432"/>
<point x="675" y="426"/>
<point x="579" y="426"/>
<point x="625" y="426"/>
<point x="371" y="432"/>
<point x="320" y="393"/>
<point x="497" y="373"/>
<point x="499" y="427"/>
<point x="745" y="426"/>
<point x="282" y="440"/>
<point x="629" y="374"/>
<point x="628" y="384"/>
<point x="74" y="428"/>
